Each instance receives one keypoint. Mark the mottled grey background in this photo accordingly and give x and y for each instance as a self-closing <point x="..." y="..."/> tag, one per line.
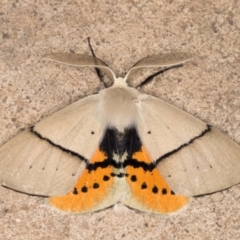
<point x="122" y="32"/>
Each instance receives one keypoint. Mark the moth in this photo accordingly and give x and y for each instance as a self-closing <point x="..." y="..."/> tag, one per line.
<point x="120" y="146"/>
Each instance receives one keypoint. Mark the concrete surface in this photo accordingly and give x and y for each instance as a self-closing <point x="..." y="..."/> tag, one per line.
<point x="122" y="32"/>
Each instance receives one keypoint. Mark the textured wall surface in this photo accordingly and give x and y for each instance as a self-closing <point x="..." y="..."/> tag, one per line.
<point x="121" y="32"/>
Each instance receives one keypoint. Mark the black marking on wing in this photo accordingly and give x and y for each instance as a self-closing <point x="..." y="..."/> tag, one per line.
<point x="104" y="164"/>
<point x="114" y="142"/>
<point x="75" y="191"/>
<point x="166" y="155"/>
<point x="95" y="185"/>
<point x="106" y="178"/>
<point x="110" y="143"/>
<point x="120" y="175"/>
<point x="33" y="131"/>
<point x="155" y="190"/>
<point x="84" y="189"/>
<point x="132" y="141"/>
<point x="128" y="162"/>
<point x="164" y="191"/>
<point x="139" y="164"/>
<point x="118" y="143"/>
<point x="133" y="178"/>
<point x="129" y="141"/>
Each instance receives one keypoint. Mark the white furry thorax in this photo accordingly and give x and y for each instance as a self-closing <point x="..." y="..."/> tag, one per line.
<point x="119" y="104"/>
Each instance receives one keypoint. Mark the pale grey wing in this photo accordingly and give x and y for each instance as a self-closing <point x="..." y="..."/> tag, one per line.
<point x="80" y="60"/>
<point x="48" y="159"/>
<point x="32" y="165"/>
<point x="193" y="158"/>
<point x="161" y="60"/>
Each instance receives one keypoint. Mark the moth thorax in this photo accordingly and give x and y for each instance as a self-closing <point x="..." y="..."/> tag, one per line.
<point x="119" y="106"/>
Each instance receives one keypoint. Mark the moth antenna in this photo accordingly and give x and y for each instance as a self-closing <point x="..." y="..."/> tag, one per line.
<point x="99" y="73"/>
<point x="150" y="78"/>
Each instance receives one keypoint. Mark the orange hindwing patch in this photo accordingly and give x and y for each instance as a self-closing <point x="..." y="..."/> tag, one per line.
<point x="149" y="189"/>
<point x="91" y="189"/>
<point x="126" y="175"/>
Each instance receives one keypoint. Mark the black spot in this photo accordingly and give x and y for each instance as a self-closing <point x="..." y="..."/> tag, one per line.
<point x="43" y="168"/>
<point x="120" y="175"/>
<point x="155" y="190"/>
<point x="172" y="192"/>
<point x="84" y="189"/>
<point x="144" y="186"/>
<point x="30" y="167"/>
<point x="210" y="166"/>
<point x="164" y="191"/>
<point x="92" y="132"/>
<point x="75" y="191"/>
<point x="169" y="175"/>
<point x="133" y="178"/>
<point x="73" y="174"/>
<point x="56" y="169"/>
<point x="95" y="185"/>
<point x="106" y="178"/>
<point x="149" y="132"/>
